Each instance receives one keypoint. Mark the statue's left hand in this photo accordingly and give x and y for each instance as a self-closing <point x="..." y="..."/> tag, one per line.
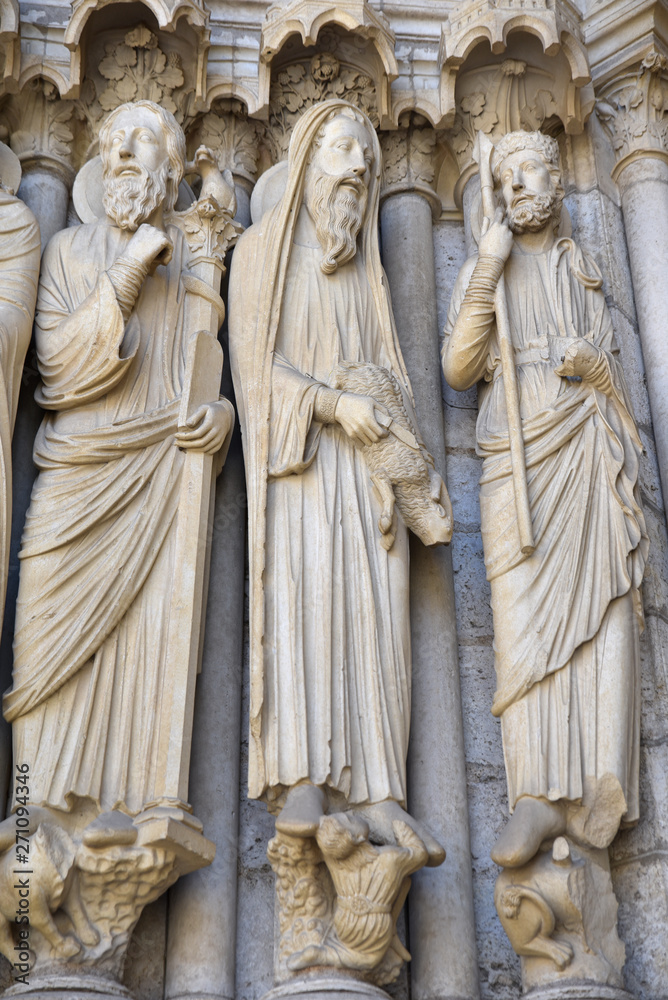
<point x="580" y="359"/>
<point x="208" y="427"/>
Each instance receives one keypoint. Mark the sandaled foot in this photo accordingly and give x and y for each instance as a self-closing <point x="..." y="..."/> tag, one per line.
<point x="381" y="815"/>
<point x="110" y="829"/>
<point x="300" y="816"/>
<point x="533" y="821"/>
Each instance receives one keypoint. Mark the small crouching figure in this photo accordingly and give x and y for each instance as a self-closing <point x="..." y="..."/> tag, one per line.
<point x="371" y="884"/>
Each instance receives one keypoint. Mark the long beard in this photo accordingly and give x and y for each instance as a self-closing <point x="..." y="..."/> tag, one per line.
<point x="338" y="214"/>
<point x="532" y="216"/>
<point x="131" y="200"/>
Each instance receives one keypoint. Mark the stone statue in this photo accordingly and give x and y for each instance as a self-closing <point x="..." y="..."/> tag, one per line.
<point x="19" y="267"/>
<point x="330" y="642"/>
<point x="566" y="607"/>
<point x="103" y="544"/>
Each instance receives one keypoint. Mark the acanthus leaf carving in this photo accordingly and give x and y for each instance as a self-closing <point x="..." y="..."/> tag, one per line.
<point x="138" y="69"/>
<point x="302" y="84"/>
<point x="634" y="111"/>
<point x="234" y="139"/>
<point x="43" y="123"/>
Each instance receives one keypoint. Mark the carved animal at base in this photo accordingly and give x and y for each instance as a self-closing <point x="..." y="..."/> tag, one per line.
<point x="51" y="867"/>
<point x="401" y="469"/>
<point x="371" y="885"/>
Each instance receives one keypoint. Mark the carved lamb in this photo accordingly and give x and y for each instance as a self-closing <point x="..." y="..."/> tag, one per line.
<point x="400" y="466"/>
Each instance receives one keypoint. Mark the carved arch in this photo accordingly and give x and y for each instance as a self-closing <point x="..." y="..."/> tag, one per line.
<point x="166" y="12"/>
<point x="307" y="18"/>
<point x="554" y="23"/>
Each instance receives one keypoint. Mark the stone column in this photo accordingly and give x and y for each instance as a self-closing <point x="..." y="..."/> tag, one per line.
<point x="45" y="188"/>
<point x="634" y="115"/>
<point x="441" y="918"/>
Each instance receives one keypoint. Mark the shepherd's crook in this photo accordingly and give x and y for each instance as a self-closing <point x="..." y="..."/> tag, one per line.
<point x="483" y="153"/>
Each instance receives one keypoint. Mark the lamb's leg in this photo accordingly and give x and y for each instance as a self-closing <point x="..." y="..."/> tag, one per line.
<point x="387" y="522"/>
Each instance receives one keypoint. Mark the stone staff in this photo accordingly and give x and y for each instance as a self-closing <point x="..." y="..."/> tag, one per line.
<point x="483" y="155"/>
<point x="210" y="231"/>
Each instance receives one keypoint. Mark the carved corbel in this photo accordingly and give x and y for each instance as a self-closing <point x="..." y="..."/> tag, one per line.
<point x="307" y="18"/>
<point x="560" y="915"/>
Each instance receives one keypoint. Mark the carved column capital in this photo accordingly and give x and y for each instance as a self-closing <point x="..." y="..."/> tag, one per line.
<point x="410" y="158"/>
<point x="633" y="110"/>
<point x="41" y="130"/>
<point x="234" y="140"/>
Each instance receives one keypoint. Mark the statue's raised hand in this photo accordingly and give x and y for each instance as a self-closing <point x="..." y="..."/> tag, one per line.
<point x="150" y="246"/>
<point x="496" y="239"/>
<point x="356" y="415"/>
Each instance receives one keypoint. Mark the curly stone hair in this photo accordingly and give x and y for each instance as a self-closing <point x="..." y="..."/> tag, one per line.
<point x="515" y="142"/>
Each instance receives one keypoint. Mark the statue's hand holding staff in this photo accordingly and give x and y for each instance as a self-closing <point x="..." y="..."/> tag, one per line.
<point x="207" y="428"/>
<point x="496" y="239"/>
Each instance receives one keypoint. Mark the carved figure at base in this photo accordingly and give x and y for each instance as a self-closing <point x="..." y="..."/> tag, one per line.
<point x="560" y="912"/>
<point x="563" y="531"/>
<point x="96" y="738"/>
<point x="371" y="884"/>
<point x="321" y="387"/>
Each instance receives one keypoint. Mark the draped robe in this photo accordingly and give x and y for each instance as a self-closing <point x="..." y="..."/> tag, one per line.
<point x="96" y="562"/>
<point x="566" y="618"/>
<point x="329" y="630"/>
<point x="19" y="272"/>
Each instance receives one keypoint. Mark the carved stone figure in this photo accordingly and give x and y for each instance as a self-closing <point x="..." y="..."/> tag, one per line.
<point x="19" y="269"/>
<point x="565" y="585"/>
<point x="98" y="720"/>
<point x="320" y="384"/>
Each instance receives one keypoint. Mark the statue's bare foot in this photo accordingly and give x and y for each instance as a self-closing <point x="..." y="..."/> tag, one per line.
<point x="109" y="829"/>
<point x="381" y="815"/>
<point x="300" y="816"/>
<point x="533" y="821"/>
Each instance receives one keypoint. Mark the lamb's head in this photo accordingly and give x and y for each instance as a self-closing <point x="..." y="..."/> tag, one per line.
<point x="429" y="519"/>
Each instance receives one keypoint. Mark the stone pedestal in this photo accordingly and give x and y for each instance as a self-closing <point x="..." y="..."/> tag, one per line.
<point x="330" y="986"/>
<point x="560" y="914"/>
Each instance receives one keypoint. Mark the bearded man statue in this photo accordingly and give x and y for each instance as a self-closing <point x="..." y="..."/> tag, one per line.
<point x="330" y="630"/>
<point x="567" y="616"/>
<point x="98" y="548"/>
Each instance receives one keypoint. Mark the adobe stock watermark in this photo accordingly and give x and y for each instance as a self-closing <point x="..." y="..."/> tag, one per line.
<point x="22" y="870"/>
